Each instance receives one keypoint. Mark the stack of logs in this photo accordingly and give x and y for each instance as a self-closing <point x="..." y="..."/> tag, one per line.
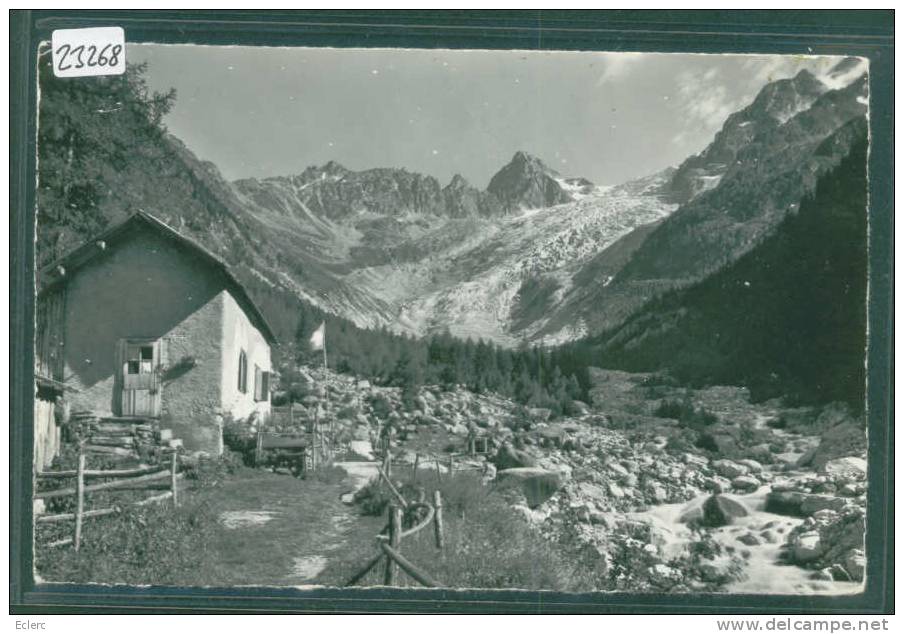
<point x="122" y="437"/>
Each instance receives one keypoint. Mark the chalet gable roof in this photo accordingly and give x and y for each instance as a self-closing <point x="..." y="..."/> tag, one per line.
<point x="58" y="271"/>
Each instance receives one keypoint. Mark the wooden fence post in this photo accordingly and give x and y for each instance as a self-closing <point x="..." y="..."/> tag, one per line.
<point x="79" y="499"/>
<point x="174" y="470"/>
<point x="259" y="447"/>
<point x="438" y="518"/>
<point x="439" y="475"/>
<point x="395" y="538"/>
<point x="451" y="464"/>
<point x="417" y="458"/>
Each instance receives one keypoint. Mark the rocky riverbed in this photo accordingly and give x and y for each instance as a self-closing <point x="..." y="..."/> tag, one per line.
<point x="743" y="497"/>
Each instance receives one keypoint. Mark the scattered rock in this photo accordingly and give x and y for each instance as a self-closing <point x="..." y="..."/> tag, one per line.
<point x="749" y="539"/>
<point x="539" y="413"/>
<point x="847" y="468"/>
<point x="806" y="547"/>
<point x="855" y="564"/>
<point x="510" y="458"/>
<point x="719" y="510"/>
<point x="537" y="485"/>
<point x="752" y="465"/>
<point x="846" y="439"/>
<point x="814" y="503"/>
<point x="785" y="503"/>
<point x="729" y="468"/>
<point x="746" y="483"/>
<point x="769" y="536"/>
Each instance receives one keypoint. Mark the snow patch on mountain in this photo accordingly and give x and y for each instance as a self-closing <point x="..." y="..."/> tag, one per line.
<point x="473" y="291"/>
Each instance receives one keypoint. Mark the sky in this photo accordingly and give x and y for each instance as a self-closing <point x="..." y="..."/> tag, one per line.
<point x="608" y="117"/>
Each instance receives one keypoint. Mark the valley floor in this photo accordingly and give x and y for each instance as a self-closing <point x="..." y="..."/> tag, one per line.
<point x="726" y="497"/>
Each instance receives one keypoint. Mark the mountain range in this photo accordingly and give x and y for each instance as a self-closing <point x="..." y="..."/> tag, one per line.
<point x="536" y="257"/>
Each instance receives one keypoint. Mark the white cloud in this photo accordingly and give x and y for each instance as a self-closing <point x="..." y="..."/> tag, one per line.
<point x="705" y="100"/>
<point x="617" y="65"/>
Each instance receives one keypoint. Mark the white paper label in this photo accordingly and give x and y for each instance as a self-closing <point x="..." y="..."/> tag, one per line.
<point x="87" y="52"/>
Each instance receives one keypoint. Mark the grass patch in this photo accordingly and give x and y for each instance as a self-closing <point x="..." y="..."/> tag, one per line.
<point x="147" y="545"/>
<point x="290" y="519"/>
<point x="488" y="544"/>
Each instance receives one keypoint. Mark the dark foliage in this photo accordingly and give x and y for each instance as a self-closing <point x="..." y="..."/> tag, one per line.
<point x="786" y="319"/>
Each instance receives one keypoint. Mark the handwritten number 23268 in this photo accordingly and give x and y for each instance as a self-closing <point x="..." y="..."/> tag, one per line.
<point x="108" y="56"/>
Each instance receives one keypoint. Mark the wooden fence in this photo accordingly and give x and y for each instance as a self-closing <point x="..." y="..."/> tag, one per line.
<point x="390" y="545"/>
<point x="142" y="478"/>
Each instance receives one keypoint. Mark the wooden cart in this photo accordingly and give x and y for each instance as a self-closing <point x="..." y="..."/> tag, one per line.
<point x="277" y="452"/>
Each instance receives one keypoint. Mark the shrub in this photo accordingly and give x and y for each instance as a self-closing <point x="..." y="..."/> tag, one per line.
<point x="210" y="471"/>
<point x="147" y="545"/>
<point x="238" y="437"/>
<point x="684" y="412"/>
<point x="328" y="474"/>
<point x="488" y="543"/>
<point x="372" y="498"/>
<point x="674" y="409"/>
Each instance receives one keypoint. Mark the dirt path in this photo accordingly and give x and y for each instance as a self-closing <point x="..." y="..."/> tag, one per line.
<point x="278" y="530"/>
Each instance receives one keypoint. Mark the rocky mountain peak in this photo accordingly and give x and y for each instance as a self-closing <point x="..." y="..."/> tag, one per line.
<point x="523" y="160"/>
<point x="784" y="98"/>
<point x="333" y="167"/>
<point x="458" y="182"/>
<point x="527" y="183"/>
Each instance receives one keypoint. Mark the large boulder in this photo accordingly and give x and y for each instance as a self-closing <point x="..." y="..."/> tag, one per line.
<point x="510" y="458"/>
<point x="814" y="503"/>
<point x="849" y="468"/>
<point x="855" y="564"/>
<point x="537" y="485"/>
<point x="729" y="468"/>
<point x="719" y="510"/>
<point x="753" y="466"/>
<point x="785" y="503"/>
<point x="721" y="439"/>
<point x="806" y="547"/>
<point x="539" y="413"/>
<point x="553" y="436"/>
<point x="845" y="439"/>
<point x="745" y="483"/>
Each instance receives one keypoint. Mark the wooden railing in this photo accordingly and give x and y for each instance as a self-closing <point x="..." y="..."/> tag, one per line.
<point x="142" y="478"/>
<point x="390" y="545"/>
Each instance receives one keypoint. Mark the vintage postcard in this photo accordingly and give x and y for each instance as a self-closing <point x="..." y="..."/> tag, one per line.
<point x="566" y="321"/>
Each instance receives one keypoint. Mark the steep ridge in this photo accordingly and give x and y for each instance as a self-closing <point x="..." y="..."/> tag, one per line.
<point x="765" y="178"/>
<point x="764" y="160"/>
<point x="788" y="317"/>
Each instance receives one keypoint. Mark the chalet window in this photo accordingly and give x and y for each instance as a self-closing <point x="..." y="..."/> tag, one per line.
<point x="261" y="384"/>
<point x="147" y="359"/>
<point x="243" y="372"/>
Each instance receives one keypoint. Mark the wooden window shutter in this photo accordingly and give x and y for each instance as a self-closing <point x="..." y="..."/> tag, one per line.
<point x="258" y="384"/>
<point x="265" y="386"/>
<point x="243" y="372"/>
